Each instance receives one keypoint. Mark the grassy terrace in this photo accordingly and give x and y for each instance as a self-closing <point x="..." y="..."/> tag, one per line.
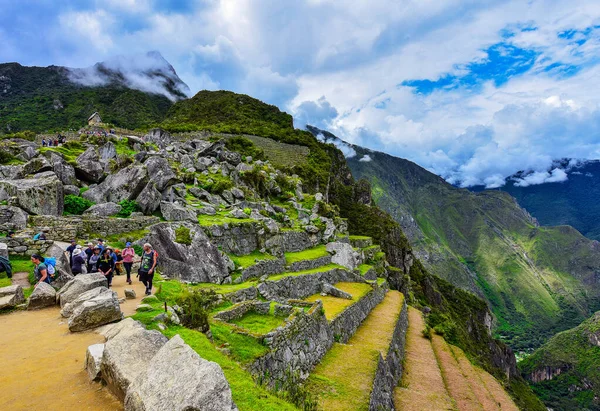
<point x="221" y="218"/>
<point x="259" y="323"/>
<point x="309" y="254"/>
<point x="343" y="380"/>
<point x="250" y="259"/>
<point x="333" y="306"/>
<point x="363" y="268"/>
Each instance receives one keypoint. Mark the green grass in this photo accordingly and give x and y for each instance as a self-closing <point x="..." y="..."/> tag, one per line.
<point x="250" y="259"/>
<point x="309" y="254"/>
<point x="4" y="280"/>
<point x="333" y="306"/>
<point x="321" y="269"/>
<point x="21" y="264"/>
<point x="359" y="237"/>
<point x="363" y="268"/>
<point x="258" y="323"/>
<point x="221" y="218"/>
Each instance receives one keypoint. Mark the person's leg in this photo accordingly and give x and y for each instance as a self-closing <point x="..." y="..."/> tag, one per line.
<point x="109" y="279"/>
<point x="149" y="286"/>
<point x="128" y="271"/>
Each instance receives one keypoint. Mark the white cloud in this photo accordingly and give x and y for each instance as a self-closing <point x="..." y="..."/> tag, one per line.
<point x="366" y="158"/>
<point x="557" y="175"/>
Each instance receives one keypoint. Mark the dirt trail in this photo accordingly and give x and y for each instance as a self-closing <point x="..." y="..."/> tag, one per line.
<point x="22" y="279"/>
<point x="42" y="362"/>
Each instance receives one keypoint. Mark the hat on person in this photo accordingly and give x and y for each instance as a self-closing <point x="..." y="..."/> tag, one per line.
<point x="78" y="247"/>
<point x="73" y="241"/>
<point x="76" y="251"/>
<point x="100" y="240"/>
<point x="90" y="244"/>
<point x="127" y="244"/>
<point x="97" y="247"/>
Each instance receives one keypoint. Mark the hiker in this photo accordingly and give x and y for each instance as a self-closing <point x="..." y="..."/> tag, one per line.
<point x="40" y="271"/>
<point x="40" y="236"/>
<point x="119" y="262"/>
<point x="43" y="142"/>
<point x="106" y="265"/>
<point x="89" y="251"/>
<point x="101" y="245"/>
<point x="92" y="265"/>
<point x="128" y="254"/>
<point x="11" y="234"/>
<point x="78" y="261"/>
<point x="147" y="266"/>
<point x="70" y="250"/>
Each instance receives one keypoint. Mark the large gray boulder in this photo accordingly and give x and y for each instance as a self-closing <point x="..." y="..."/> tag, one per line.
<point x="11" y="296"/>
<point x="79" y="285"/>
<point x="159" y="137"/>
<point x="344" y="255"/>
<point x="160" y="172"/>
<point x="42" y="296"/>
<point x="93" y="360"/>
<point x="12" y="218"/>
<point x="89" y="168"/>
<point x="127" y="184"/>
<point x="103" y="209"/>
<point x="199" y="262"/>
<point x="178" y="379"/>
<point x="11" y="172"/>
<point x="175" y="212"/>
<point x="126" y="355"/>
<point x="69" y="308"/>
<point x="64" y="171"/>
<point x="108" y="151"/>
<point x="37" y="165"/>
<point x="99" y="310"/>
<point x="63" y="265"/>
<point x="149" y="199"/>
<point x="41" y="196"/>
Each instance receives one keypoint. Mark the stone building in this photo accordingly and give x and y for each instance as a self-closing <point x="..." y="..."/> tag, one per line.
<point x="94" y="119"/>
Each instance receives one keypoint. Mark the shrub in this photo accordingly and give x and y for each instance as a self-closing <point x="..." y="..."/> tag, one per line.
<point x="5" y="157"/>
<point x="182" y="235"/>
<point x="247" y="211"/>
<point x="196" y="305"/>
<point x="75" y="205"/>
<point x="138" y="249"/>
<point x="220" y="185"/>
<point x="127" y="207"/>
<point x="257" y="180"/>
<point x="245" y="147"/>
<point x="25" y="135"/>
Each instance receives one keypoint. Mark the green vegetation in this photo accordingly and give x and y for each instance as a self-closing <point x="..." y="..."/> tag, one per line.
<point x="308" y="254"/>
<point x="127" y="207"/>
<point x="196" y="305"/>
<point x="333" y="306"/>
<point x="25" y="135"/>
<point x="75" y="205"/>
<point x="258" y="323"/>
<point x="182" y="235"/>
<point x="364" y="268"/>
<point x="221" y="218"/>
<point x="248" y="260"/>
<point x="245" y="147"/>
<point x="4" y="280"/>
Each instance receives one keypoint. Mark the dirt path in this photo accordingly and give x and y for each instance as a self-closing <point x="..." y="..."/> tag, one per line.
<point x="422" y="386"/>
<point x="22" y="279"/>
<point x="42" y="362"/>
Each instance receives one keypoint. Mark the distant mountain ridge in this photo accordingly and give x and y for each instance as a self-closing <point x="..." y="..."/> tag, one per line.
<point x="574" y="201"/>
<point x="537" y="280"/>
<point x="130" y="92"/>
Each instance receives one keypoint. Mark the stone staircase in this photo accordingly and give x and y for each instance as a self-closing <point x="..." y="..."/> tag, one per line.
<point x="438" y="376"/>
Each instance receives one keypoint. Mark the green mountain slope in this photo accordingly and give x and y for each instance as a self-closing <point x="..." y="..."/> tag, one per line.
<point x="564" y="372"/>
<point x="575" y="202"/>
<point x="538" y="280"/>
<point x="56" y="98"/>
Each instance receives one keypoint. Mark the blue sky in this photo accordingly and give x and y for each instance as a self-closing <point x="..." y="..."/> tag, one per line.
<point x="473" y="90"/>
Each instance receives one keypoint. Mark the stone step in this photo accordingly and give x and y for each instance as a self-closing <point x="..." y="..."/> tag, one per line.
<point x="361" y="374"/>
<point x="422" y="386"/>
<point x="367" y="271"/>
<point x="359" y="241"/>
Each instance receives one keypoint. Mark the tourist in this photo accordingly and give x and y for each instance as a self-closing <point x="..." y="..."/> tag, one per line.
<point x="70" y="250"/>
<point x="40" y="271"/>
<point x="40" y="236"/>
<point x="43" y="142"/>
<point x="78" y="262"/>
<point x="89" y="251"/>
<point x="106" y="265"/>
<point x="128" y="254"/>
<point x="147" y="266"/>
<point x="101" y="245"/>
<point x="92" y="265"/>
<point x="119" y="262"/>
<point x="11" y="234"/>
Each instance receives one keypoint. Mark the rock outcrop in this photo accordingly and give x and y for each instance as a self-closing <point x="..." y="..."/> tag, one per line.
<point x="177" y="378"/>
<point x="99" y="310"/>
<point x="12" y="218"/>
<point x="126" y="184"/>
<point x="44" y="295"/>
<point x="89" y="167"/>
<point x="104" y="209"/>
<point x="11" y="296"/>
<point x="79" y="285"/>
<point x="43" y="196"/>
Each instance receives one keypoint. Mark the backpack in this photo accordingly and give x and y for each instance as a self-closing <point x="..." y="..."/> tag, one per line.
<point x="50" y="265"/>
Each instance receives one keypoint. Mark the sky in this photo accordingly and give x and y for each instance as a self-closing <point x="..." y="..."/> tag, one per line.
<point x="473" y="90"/>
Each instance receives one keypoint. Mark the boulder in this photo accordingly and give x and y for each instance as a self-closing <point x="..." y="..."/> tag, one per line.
<point x="11" y="296"/>
<point x="93" y="360"/>
<point x="144" y="307"/>
<point x="63" y="265"/>
<point x="103" y="209"/>
<point x="69" y="308"/>
<point x="175" y="212"/>
<point x="97" y="311"/>
<point x="199" y="262"/>
<point x="335" y="292"/>
<point x="130" y="294"/>
<point x="108" y="151"/>
<point x="61" y="279"/>
<point x="37" y="165"/>
<point x="12" y="218"/>
<point x="237" y="193"/>
<point x="160" y="172"/>
<point x="159" y="137"/>
<point x="111" y="330"/>
<point x="211" y="150"/>
<point x="11" y="172"/>
<point x="126" y="184"/>
<point x="64" y="171"/>
<point x="79" y="285"/>
<point x="126" y="355"/>
<point x="71" y="190"/>
<point x="42" y="196"/>
<point x="344" y="255"/>
<point x="42" y="296"/>
<point x="89" y="168"/>
<point x="230" y="157"/>
<point x="177" y="378"/>
<point x="149" y="199"/>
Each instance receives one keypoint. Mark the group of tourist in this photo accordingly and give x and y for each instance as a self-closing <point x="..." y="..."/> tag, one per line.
<point x="54" y="142"/>
<point x="103" y="259"/>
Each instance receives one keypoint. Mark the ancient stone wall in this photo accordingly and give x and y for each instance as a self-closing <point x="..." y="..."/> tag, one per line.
<point x="250" y="293"/>
<point x="67" y="228"/>
<point x="309" y="264"/>
<point x="238" y="238"/>
<point x="26" y="246"/>
<point x="264" y="267"/>
<point x="242" y="308"/>
<point x="389" y="369"/>
<point x="345" y="324"/>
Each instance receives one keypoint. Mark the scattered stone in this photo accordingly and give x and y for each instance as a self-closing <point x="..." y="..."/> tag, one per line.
<point x="150" y="299"/>
<point x="177" y="378"/>
<point x="144" y="307"/>
<point x="130" y="294"/>
<point x="93" y="361"/>
<point x="79" y="285"/>
<point x="42" y="296"/>
<point x="126" y="184"/>
<point x="103" y="210"/>
<point x="329" y="289"/>
<point x="149" y="199"/>
<point x="11" y="296"/>
<point x="42" y="196"/>
<point x="100" y="310"/>
<point x="89" y="167"/>
<point x="343" y="254"/>
<point x="69" y="308"/>
<point x="112" y="330"/>
<point x="159" y="137"/>
<point x="237" y="193"/>
<point x="174" y="212"/>
<point x="237" y="213"/>
<point x="160" y="172"/>
<point x="71" y="190"/>
<point x="108" y="151"/>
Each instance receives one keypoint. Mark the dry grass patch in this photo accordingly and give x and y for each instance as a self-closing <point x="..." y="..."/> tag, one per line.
<point x="333" y="306"/>
<point x="497" y="391"/>
<point x="422" y="386"/>
<point x="456" y="383"/>
<point x="344" y="379"/>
